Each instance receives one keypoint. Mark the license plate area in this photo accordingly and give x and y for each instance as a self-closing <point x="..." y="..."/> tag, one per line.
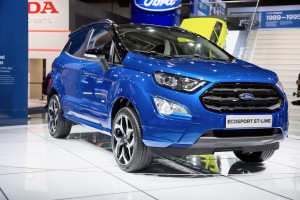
<point x="248" y="121"/>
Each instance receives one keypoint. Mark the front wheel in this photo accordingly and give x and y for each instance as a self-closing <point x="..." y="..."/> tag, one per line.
<point x="129" y="150"/>
<point x="58" y="126"/>
<point x="254" y="156"/>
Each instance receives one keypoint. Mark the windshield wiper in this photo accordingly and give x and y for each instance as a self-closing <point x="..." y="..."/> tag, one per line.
<point x="200" y="56"/>
<point x="152" y="53"/>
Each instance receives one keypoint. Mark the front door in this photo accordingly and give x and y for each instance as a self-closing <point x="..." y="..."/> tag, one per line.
<point x="94" y="83"/>
<point x="70" y="64"/>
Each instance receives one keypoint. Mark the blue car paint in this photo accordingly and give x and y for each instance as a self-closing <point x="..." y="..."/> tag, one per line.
<point x="90" y="99"/>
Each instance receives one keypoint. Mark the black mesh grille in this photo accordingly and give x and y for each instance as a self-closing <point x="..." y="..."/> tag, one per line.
<point x="242" y="133"/>
<point x="225" y="98"/>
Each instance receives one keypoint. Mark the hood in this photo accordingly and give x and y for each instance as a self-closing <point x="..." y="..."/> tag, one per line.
<point x="209" y="70"/>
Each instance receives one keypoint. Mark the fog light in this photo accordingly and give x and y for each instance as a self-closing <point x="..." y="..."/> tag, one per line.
<point x="168" y="108"/>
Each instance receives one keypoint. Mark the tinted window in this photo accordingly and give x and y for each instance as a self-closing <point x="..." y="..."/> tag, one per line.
<point x="101" y="38"/>
<point x="77" y="47"/>
<point x="218" y="28"/>
<point x="213" y="37"/>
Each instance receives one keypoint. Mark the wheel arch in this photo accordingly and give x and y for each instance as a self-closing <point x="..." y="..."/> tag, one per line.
<point x="121" y="102"/>
<point x="51" y="92"/>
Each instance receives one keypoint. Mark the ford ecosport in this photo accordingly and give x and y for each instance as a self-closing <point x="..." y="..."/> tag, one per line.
<point x="167" y="91"/>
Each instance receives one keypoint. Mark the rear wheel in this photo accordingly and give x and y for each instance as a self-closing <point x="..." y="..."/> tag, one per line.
<point x="58" y="126"/>
<point x="129" y="150"/>
<point x="254" y="156"/>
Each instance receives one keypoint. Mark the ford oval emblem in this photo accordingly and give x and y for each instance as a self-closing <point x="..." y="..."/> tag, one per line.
<point x="246" y="96"/>
<point x="157" y="5"/>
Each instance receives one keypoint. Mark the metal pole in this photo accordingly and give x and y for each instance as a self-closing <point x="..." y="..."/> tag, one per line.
<point x="254" y="15"/>
<point x="251" y="27"/>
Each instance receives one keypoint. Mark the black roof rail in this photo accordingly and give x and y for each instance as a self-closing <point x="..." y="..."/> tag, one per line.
<point x="92" y="23"/>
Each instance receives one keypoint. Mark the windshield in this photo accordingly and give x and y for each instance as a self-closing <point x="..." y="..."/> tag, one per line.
<point x="169" y="42"/>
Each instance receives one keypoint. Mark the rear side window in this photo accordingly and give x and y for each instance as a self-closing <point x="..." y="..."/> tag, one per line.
<point x="77" y="47"/>
<point x="218" y="28"/>
<point x="216" y="32"/>
<point x="213" y="37"/>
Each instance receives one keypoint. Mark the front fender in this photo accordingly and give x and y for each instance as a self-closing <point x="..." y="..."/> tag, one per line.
<point x="132" y="86"/>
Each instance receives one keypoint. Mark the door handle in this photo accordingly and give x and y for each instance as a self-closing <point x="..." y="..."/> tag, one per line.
<point x="83" y="71"/>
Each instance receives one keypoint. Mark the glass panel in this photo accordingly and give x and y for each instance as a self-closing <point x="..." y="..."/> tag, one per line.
<point x="218" y="28"/>
<point x="77" y="47"/>
<point x="213" y="37"/>
<point x="101" y="38"/>
<point x="168" y="41"/>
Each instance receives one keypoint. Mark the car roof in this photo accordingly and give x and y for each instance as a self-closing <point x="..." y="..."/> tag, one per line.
<point x="110" y="22"/>
<point x="86" y="26"/>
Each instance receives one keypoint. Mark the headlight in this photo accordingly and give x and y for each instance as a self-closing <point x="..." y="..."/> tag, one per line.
<point x="168" y="108"/>
<point x="177" y="82"/>
<point x="279" y="85"/>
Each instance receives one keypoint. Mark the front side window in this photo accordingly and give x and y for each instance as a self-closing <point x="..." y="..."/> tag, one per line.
<point x="169" y="41"/>
<point x="77" y="47"/>
<point x="101" y="38"/>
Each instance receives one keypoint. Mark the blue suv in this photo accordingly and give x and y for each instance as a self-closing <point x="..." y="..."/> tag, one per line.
<point x="166" y="91"/>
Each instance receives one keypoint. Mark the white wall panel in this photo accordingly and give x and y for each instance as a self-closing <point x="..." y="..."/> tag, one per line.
<point x="279" y="51"/>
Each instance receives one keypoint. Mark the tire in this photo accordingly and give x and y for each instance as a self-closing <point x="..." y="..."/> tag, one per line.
<point x="128" y="148"/>
<point x="58" y="126"/>
<point x="254" y="156"/>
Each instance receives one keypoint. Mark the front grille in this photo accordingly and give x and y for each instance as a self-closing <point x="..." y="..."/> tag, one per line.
<point x="225" y="98"/>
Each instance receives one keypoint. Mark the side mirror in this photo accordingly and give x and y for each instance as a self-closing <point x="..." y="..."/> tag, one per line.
<point x="96" y="53"/>
<point x="100" y="54"/>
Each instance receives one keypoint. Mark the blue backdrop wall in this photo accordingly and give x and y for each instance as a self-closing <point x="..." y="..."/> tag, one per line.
<point x="13" y="62"/>
<point x="158" y="12"/>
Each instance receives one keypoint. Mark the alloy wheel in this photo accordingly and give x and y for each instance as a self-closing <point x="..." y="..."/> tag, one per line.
<point x="52" y="115"/>
<point x="123" y="141"/>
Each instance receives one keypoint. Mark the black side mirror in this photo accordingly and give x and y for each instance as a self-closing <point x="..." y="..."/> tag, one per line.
<point x="101" y="54"/>
<point x="97" y="52"/>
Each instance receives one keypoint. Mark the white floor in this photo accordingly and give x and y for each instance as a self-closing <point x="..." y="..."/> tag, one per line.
<point x="35" y="166"/>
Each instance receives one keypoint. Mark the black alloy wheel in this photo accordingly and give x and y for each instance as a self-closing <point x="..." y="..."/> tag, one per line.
<point x="129" y="150"/>
<point x="58" y="126"/>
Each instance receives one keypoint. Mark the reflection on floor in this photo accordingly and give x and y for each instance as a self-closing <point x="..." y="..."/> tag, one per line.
<point x="33" y="165"/>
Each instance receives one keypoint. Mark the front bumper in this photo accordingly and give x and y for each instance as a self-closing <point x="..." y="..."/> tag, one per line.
<point x="210" y="145"/>
<point x="179" y="132"/>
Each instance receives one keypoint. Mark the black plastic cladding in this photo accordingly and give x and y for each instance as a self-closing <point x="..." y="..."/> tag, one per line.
<point x="227" y="101"/>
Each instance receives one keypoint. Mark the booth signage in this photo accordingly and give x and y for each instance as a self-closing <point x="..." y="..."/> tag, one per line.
<point x="273" y="16"/>
<point x="280" y="19"/>
<point x="48" y="15"/>
<point x="13" y="63"/>
<point x="157" y="5"/>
